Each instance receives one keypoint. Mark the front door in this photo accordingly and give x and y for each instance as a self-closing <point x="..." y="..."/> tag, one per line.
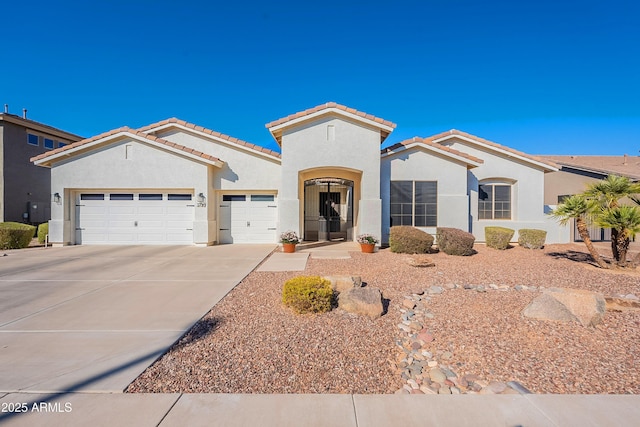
<point x="328" y="209"/>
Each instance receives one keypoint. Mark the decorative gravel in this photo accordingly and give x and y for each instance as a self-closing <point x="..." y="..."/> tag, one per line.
<point x="251" y="343"/>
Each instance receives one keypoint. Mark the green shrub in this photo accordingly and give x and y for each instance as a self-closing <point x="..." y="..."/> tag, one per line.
<point x="498" y="237"/>
<point x="43" y="230"/>
<point x="308" y="294"/>
<point x="14" y="235"/>
<point x="531" y="238"/>
<point x="454" y="241"/>
<point x="409" y="240"/>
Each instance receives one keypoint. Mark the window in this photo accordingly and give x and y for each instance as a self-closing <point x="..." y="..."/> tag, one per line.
<point x="117" y="196"/>
<point x="150" y="197"/>
<point x="48" y="143"/>
<point x="233" y="198"/>
<point x="179" y="197"/>
<point x="494" y="201"/>
<point x="61" y="144"/>
<point x="33" y="139"/>
<point x="92" y="197"/>
<point x="414" y="203"/>
<point x="262" y="198"/>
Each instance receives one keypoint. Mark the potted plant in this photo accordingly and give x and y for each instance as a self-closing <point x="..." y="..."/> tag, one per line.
<point x="289" y="240"/>
<point x="367" y="243"/>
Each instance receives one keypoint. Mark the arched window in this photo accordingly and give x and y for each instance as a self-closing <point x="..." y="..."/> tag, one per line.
<point x="494" y="201"/>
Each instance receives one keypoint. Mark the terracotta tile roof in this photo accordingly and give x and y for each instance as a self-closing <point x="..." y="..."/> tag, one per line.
<point x="628" y="166"/>
<point x="495" y="145"/>
<point x="212" y="133"/>
<point x="130" y="131"/>
<point x="429" y="142"/>
<point x="327" y="106"/>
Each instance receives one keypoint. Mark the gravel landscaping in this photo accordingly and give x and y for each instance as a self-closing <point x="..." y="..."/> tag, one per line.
<point x="251" y="343"/>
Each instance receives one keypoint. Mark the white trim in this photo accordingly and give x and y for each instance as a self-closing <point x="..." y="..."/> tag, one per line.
<point x="331" y="110"/>
<point x="498" y="150"/>
<point x="211" y="137"/>
<point x="426" y="147"/>
<point x="88" y="146"/>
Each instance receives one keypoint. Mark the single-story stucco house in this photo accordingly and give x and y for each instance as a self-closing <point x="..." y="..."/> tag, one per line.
<point x="173" y="182"/>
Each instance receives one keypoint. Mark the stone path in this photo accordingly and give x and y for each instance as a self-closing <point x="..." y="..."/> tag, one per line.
<point x="424" y="372"/>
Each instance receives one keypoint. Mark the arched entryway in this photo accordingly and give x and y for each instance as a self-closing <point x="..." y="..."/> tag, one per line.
<point x="328" y="209"/>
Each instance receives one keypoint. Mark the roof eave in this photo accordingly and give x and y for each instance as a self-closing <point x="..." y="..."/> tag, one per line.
<point x="276" y="131"/>
<point x="543" y="165"/>
<point x="169" y="125"/>
<point x="470" y="163"/>
<point x="47" y="161"/>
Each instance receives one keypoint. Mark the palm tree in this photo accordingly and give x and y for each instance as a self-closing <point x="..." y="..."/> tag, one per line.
<point x="578" y="207"/>
<point x="606" y="194"/>
<point x="626" y="220"/>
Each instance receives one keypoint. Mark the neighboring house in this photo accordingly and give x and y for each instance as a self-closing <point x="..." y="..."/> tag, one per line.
<point x="576" y="173"/>
<point x="25" y="190"/>
<point x="173" y="182"/>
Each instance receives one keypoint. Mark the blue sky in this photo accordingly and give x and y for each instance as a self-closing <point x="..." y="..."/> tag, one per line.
<point x="544" y="77"/>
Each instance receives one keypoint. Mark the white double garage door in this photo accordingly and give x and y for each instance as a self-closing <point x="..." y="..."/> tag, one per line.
<point x="166" y="218"/>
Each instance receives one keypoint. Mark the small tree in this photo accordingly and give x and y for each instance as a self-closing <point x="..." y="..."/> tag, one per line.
<point x="626" y="221"/>
<point x="606" y="194"/>
<point x="577" y="207"/>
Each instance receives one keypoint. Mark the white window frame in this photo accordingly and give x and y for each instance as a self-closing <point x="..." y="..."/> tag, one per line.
<point x="494" y="183"/>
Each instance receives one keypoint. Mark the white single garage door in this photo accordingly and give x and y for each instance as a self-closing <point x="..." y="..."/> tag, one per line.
<point x="134" y="218"/>
<point x="248" y="218"/>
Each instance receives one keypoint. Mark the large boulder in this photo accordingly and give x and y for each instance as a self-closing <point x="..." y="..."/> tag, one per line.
<point x="568" y="305"/>
<point x="362" y="300"/>
<point x="344" y="283"/>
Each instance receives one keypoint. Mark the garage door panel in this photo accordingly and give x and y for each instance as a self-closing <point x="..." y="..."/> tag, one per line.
<point x="122" y="210"/>
<point x="89" y="210"/>
<point x="147" y="223"/>
<point x="151" y="210"/>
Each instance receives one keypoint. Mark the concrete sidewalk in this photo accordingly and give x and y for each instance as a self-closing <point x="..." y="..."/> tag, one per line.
<point x="279" y="261"/>
<point x="320" y="410"/>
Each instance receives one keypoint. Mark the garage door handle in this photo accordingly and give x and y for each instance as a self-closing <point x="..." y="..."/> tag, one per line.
<point x="79" y="229"/>
<point x="248" y="224"/>
<point x="189" y="229"/>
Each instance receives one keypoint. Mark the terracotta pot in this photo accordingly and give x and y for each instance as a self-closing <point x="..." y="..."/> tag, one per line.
<point x="288" y="248"/>
<point x="367" y="248"/>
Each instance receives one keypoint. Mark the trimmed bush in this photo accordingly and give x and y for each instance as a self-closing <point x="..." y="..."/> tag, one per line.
<point x="409" y="240"/>
<point x="308" y="294"/>
<point x="453" y="241"/>
<point x="14" y="235"/>
<point x="498" y="237"/>
<point x="531" y="238"/>
<point x="43" y="230"/>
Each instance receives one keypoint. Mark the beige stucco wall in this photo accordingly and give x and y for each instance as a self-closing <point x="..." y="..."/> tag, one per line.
<point x="350" y="149"/>
<point x="564" y="183"/>
<point x="420" y="165"/>
<point x="528" y="210"/>
<point x="243" y="169"/>
<point x="108" y="168"/>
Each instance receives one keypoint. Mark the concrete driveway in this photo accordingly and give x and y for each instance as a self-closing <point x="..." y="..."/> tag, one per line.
<point x="92" y="318"/>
